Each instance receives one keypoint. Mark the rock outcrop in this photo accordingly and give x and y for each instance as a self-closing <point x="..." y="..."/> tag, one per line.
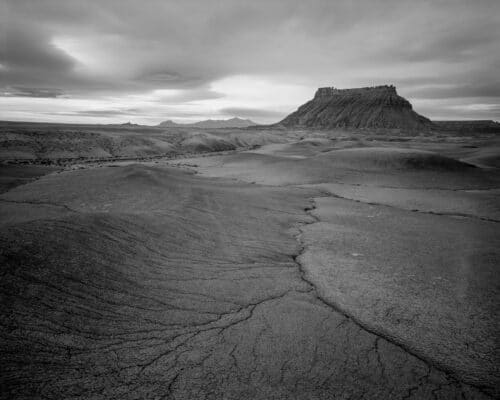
<point x="471" y="126"/>
<point x="369" y="107"/>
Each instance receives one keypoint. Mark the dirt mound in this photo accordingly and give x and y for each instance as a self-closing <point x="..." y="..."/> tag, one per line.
<point x="410" y="168"/>
<point x="205" y="142"/>
<point x="372" y="107"/>
<point x="243" y="138"/>
<point x="487" y="157"/>
<point x="15" y="175"/>
<point x="381" y="158"/>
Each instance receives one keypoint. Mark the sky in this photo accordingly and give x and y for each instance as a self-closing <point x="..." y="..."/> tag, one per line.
<point x="114" y="61"/>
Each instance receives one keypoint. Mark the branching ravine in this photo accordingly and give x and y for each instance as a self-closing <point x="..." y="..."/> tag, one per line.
<point x="313" y="290"/>
<point x="336" y="308"/>
<point x="244" y="313"/>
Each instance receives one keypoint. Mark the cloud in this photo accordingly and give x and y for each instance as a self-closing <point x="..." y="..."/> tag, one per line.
<point x="176" y="96"/>
<point x="27" y="47"/>
<point x="19" y="91"/>
<point x="447" y="91"/>
<point x="252" y="113"/>
<point x="122" y="48"/>
<point x="105" y="112"/>
<point x="459" y="108"/>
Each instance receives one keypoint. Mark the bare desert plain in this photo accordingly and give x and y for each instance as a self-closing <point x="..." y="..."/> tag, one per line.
<point x="249" y="200"/>
<point x="254" y="263"/>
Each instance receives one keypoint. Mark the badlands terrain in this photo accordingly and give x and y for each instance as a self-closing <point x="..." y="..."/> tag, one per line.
<point x="332" y="256"/>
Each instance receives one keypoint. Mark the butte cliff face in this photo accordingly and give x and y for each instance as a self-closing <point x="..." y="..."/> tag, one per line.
<point x="370" y="107"/>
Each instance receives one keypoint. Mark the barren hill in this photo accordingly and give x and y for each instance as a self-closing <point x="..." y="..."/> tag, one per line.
<point x="64" y="143"/>
<point x="369" y="107"/>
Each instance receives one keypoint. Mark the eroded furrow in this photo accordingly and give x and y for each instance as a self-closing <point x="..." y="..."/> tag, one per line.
<point x="310" y="254"/>
<point x="124" y="299"/>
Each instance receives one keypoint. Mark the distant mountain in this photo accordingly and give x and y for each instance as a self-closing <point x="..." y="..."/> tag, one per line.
<point x="370" y="107"/>
<point x="167" y="123"/>
<point x="212" y="123"/>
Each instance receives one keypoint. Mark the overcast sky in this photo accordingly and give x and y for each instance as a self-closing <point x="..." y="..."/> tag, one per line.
<point x="147" y="61"/>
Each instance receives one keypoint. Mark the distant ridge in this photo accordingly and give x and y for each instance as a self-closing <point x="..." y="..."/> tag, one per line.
<point x="479" y="126"/>
<point x="368" y="107"/>
<point x="212" y="123"/>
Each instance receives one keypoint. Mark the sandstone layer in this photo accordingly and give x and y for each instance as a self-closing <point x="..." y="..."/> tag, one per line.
<point x="370" y="107"/>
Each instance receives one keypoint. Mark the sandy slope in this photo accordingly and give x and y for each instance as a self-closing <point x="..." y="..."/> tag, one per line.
<point x="149" y="282"/>
<point x="15" y="175"/>
<point x="392" y="167"/>
<point x="406" y="242"/>
<point x="427" y="281"/>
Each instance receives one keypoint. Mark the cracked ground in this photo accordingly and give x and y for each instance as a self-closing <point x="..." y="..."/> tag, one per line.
<point x="150" y="282"/>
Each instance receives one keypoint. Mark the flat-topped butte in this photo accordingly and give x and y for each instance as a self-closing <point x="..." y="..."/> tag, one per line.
<point x="331" y="91"/>
<point x="378" y="107"/>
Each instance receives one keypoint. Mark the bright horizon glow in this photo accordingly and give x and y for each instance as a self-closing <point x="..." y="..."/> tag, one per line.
<point x="234" y="92"/>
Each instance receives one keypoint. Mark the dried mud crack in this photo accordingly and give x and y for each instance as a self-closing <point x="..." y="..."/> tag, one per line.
<point x="425" y="379"/>
<point x="165" y="284"/>
<point x="416" y="210"/>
